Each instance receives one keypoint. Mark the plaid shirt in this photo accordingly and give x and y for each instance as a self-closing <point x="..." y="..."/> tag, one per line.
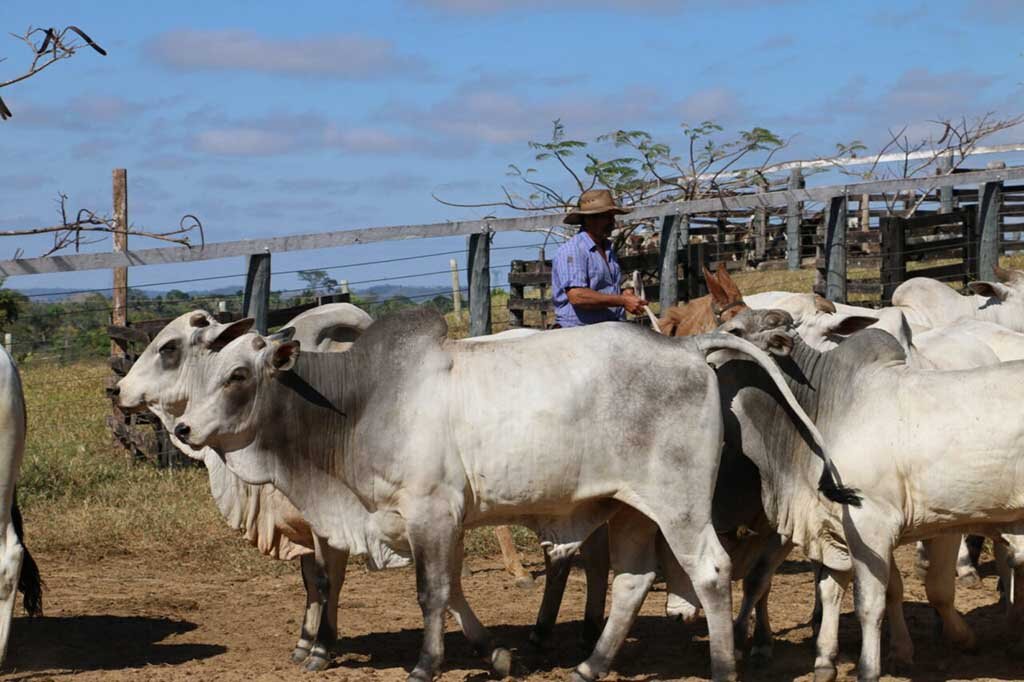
<point x="578" y="263"/>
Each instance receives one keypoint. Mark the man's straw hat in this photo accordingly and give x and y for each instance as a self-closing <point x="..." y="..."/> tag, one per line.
<point x="592" y="202"/>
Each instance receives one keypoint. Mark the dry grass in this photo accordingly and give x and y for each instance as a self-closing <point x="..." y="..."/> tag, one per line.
<point x="81" y="496"/>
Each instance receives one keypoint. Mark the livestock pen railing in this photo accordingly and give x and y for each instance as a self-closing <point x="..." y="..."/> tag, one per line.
<point x="835" y="229"/>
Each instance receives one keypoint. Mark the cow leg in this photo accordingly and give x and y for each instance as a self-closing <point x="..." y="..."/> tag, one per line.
<point x="12" y="560"/>
<point x="940" y="587"/>
<point x="332" y="565"/>
<point x="510" y="557"/>
<point x="595" y="553"/>
<point x="433" y="536"/>
<point x="478" y="635"/>
<point x="967" y="559"/>
<point x="631" y="540"/>
<point x="710" y="570"/>
<point x="871" y="533"/>
<point x="556" y="574"/>
<point x="901" y="646"/>
<point x="314" y="608"/>
<point x="1010" y="561"/>
<point x="757" y="585"/>
<point x="682" y="602"/>
<point x="830" y="586"/>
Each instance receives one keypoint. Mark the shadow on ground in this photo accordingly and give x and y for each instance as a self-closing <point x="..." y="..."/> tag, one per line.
<point x="98" y="643"/>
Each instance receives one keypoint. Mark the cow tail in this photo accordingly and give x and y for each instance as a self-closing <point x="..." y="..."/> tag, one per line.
<point x="827" y="484"/>
<point x="30" y="583"/>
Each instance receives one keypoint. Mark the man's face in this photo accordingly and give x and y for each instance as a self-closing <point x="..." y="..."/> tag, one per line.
<point x="602" y="223"/>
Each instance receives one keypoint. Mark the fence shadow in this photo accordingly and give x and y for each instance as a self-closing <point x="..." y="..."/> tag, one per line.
<point x="93" y="643"/>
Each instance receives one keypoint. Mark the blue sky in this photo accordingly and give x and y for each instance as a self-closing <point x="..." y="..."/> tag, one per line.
<point x="271" y="119"/>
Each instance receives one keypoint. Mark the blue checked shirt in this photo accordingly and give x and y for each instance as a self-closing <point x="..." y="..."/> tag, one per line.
<point x="578" y="263"/>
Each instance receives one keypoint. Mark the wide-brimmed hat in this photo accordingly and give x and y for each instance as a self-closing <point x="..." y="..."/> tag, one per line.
<point x="592" y="202"/>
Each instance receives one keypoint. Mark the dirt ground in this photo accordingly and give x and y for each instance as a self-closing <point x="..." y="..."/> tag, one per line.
<point x="126" y="618"/>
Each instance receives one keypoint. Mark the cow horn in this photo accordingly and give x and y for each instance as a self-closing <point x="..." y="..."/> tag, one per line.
<point x="199" y="319"/>
<point x="823" y="305"/>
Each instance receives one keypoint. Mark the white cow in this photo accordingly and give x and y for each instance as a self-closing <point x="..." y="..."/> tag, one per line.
<point x="266" y="518"/>
<point x="18" y="570"/>
<point x="928" y="465"/>
<point x="931" y="303"/>
<point x="440" y="436"/>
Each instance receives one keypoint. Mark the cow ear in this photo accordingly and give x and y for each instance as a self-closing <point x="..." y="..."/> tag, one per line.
<point x="282" y="356"/>
<point x="218" y="337"/>
<point x="991" y="289"/>
<point x="852" y="324"/>
<point x="283" y="334"/>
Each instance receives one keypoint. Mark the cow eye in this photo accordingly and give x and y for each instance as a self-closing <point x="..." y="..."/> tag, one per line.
<point x="238" y="375"/>
<point x="168" y="348"/>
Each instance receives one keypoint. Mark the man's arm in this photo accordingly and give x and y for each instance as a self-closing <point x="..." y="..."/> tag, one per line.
<point x="588" y="299"/>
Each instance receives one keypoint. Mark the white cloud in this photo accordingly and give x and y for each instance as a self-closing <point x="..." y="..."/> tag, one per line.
<point x="339" y="56"/>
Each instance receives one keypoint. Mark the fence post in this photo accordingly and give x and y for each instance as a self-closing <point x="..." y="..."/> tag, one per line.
<point x="343" y="287"/>
<point x="794" y="214"/>
<point x="479" y="284"/>
<point x="256" y="300"/>
<point x="9" y="343"/>
<point x="990" y="199"/>
<point x="761" y="218"/>
<point x="119" y="313"/>
<point x="456" y="291"/>
<point x="695" y="285"/>
<point x="668" y="263"/>
<point x="835" y="250"/>
<point x="944" y="167"/>
<point x="894" y="265"/>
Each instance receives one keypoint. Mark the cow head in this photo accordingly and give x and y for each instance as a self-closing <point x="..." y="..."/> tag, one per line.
<point x="226" y="418"/>
<point x="160" y="377"/>
<point x="817" y="321"/>
<point x="769" y="330"/>
<point x="1010" y="286"/>
<point x="726" y="298"/>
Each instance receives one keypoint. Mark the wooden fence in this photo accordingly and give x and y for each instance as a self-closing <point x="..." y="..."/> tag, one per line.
<point x="835" y="228"/>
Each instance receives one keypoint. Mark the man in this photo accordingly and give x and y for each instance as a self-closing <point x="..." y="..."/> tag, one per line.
<point x="585" y="274"/>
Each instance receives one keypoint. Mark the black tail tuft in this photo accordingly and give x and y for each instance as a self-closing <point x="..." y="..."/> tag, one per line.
<point x="837" y="493"/>
<point x="30" y="583"/>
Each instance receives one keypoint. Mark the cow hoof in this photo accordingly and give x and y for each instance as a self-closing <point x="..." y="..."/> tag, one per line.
<point x="418" y="675"/>
<point x="970" y="580"/>
<point x="316" y="662"/>
<point x="827" y="674"/>
<point x="501" y="663"/>
<point x="538" y="638"/>
<point x="761" y="654"/>
<point x="577" y="676"/>
<point x="525" y="582"/>
<point x="681" y="610"/>
<point x="299" y="654"/>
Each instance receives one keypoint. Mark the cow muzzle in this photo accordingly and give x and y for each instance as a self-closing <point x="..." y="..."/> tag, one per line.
<point x="182" y="431"/>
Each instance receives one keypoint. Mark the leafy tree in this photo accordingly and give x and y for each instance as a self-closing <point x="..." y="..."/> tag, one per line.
<point x="317" y="282"/>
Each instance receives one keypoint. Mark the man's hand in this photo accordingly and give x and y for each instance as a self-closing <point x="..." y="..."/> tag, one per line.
<point x="634" y="305"/>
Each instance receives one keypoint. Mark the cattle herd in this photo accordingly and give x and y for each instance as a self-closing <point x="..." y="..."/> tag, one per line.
<point x="750" y="427"/>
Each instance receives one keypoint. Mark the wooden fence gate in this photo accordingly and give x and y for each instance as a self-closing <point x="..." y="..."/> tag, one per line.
<point x="944" y="236"/>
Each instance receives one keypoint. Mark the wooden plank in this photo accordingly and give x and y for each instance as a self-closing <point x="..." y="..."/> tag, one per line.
<point x="325" y="240"/>
<point x="864" y="286"/>
<point x="119" y="310"/>
<point x="532" y="304"/>
<point x="530" y="278"/>
<point x="256" y="299"/>
<point x="131" y="334"/>
<point x="794" y="213"/>
<point x="988" y="229"/>
<point x="949" y="272"/>
<point x="835" y="251"/>
<point x="668" y="260"/>
<point x="935" y="220"/>
<point x="478" y="269"/>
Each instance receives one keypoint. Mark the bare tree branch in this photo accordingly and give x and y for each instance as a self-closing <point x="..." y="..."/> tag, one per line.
<point x="55" y="46"/>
